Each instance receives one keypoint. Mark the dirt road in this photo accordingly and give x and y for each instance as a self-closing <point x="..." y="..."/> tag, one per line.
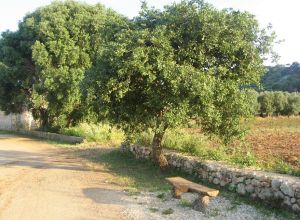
<point x="38" y="181"/>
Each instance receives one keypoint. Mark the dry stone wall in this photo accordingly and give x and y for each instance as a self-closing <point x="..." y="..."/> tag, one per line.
<point x="276" y="189"/>
<point x="15" y="122"/>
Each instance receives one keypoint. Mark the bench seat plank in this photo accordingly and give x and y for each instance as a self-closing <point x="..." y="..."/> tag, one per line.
<point x="186" y="185"/>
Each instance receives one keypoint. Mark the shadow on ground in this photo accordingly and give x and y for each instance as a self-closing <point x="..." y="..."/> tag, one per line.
<point x="140" y="174"/>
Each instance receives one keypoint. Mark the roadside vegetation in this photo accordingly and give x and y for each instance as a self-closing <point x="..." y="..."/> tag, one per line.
<point x="100" y="133"/>
<point x="270" y="145"/>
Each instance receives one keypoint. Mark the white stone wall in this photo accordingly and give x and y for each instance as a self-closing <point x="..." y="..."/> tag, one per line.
<point x="275" y="189"/>
<point x="17" y="121"/>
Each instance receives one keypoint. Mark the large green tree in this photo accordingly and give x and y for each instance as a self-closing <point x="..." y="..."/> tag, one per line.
<point x="188" y="61"/>
<point x="48" y="56"/>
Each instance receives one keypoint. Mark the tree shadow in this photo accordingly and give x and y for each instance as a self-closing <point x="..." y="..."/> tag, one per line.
<point x="11" y="158"/>
<point x="140" y="174"/>
<point x="104" y="196"/>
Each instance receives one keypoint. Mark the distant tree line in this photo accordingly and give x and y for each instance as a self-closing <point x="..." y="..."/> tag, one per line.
<point x="282" y="78"/>
<point x="275" y="103"/>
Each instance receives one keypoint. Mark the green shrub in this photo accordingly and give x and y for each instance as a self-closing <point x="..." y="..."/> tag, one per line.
<point x="243" y="157"/>
<point x="282" y="167"/>
<point x="100" y="133"/>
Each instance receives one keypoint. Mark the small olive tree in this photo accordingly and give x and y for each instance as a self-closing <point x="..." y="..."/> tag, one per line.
<point x="188" y="61"/>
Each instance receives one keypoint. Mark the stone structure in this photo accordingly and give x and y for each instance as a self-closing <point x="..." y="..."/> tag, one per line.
<point x="53" y="136"/>
<point x="15" y="122"/>
<point x="282" y="191"/>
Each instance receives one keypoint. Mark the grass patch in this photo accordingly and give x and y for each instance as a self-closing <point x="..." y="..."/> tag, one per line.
<point x="168" y="211"/>
<point x="152" y="209"/>
<point x="4" y="132"/>
<point x="62" y="144"/>
<point x="100" y="133"/>
<point x="279" y="166"/>
<point x="162" y="196"/>
<point x="184" y="203"/>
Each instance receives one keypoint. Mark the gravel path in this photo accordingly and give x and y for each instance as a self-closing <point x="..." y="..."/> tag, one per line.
<point x="148" y="206"/>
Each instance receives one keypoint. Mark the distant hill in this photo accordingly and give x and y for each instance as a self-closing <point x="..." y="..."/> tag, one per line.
<point x="282" y="78"/>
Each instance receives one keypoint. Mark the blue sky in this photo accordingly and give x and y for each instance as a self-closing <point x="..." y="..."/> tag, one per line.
<point x="284" y="15"/>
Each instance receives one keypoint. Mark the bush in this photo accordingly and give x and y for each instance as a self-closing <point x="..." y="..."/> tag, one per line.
<point x="100" y="133"/>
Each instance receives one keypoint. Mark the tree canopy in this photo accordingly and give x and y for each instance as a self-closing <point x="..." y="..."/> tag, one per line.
<point x="189" y="61"/>
<point x="45" y="60"/>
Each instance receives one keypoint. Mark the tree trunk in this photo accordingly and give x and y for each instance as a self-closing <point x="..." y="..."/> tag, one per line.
<point x="44" y="119"/>
<point x="157" y="152"/>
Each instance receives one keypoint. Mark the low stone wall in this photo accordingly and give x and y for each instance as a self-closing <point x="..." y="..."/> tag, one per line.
<point x="53" y="136"/>
<point x="276" y="189"/>
<point x="13" y="122"/>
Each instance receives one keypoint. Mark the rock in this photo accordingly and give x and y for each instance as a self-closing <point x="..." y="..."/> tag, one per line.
<point x="238" y="180"/>
<point x="201" y="204"/>
<point x="210" y="179"/>
<point x="204" y="175"/>
<point x="279" y="195"/>
<point x="248" y="181"/>
<point x="293" y="200"/>
<point x="218" y="175"/>
<point x="297" y="195"/>
<point x="253" y="196"/>
<point x="249" y="188"/>
<point x="216" y="181"/>
<point x="287" y="201"/>
<point x="265" y="184"/>
<point x="257" y="190"/>
<point x="296" y="208"/>
<point x="255" y="182"/>
<point x="287" y="189"/>
<point x="241" y="189"/>
<point x="223" y="183"/>
<point x="265" y="193"/>
<point x="187" y="165"/>
<point x="276" y="184"/>
<point x="298" y="201"/>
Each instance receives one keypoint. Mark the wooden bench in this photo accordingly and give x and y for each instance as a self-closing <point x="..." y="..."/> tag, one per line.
<point x="181" y="185"/>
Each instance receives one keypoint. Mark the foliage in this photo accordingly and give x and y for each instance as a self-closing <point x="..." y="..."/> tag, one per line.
<point x="46" y="59"/>
<point x="100" y="133"/>
<point x="196" y="144"/>
<point x="282" y="78"/>
<point x="187" y="61"/>
<point x="278" y="103"/>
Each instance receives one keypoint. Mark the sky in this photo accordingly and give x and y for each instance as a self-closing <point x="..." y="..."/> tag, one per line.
<point x="282" y="14"/>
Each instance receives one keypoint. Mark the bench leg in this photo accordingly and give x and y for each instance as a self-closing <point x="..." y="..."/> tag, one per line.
<point x="201" y="203"/>
<point x="176" y="193"/>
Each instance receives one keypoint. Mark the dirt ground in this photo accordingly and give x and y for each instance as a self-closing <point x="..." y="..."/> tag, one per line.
<point x="38" y="181"/>
<point x="277" y="137"/>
